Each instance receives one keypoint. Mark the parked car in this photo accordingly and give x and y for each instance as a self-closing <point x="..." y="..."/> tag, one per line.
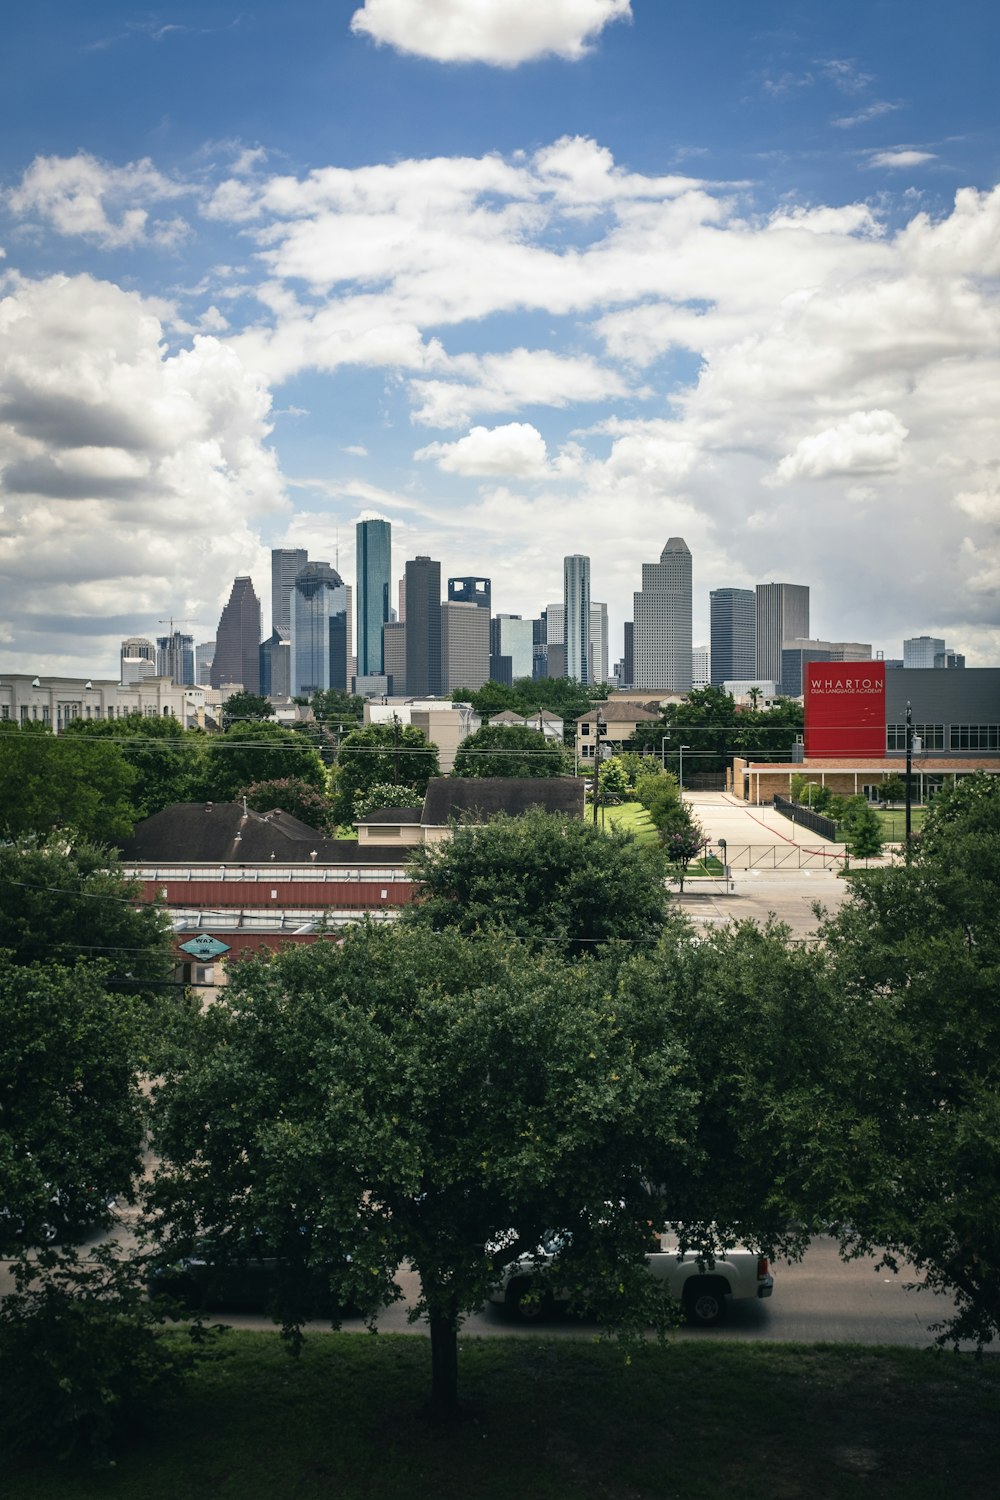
<point x="211" y="1280"/>
<point x="704" y="1287"/>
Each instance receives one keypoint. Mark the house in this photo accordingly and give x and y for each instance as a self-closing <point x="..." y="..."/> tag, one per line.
<point x="468" y="799"/>
<point x="621" y="720"/>
<point x="542" y="722"/>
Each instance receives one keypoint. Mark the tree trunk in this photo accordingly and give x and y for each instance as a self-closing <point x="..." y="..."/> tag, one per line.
<point x="444" y="1366"/>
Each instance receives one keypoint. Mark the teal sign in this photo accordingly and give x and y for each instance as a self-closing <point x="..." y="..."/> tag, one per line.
<point x="204" y="947"/>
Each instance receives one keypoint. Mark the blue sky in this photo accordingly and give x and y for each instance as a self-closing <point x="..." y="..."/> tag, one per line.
<point x="525" y="279"/>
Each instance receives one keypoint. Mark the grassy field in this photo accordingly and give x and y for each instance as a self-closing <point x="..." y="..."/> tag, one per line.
<point x="631" y="816"/>
<point x="893" y="821"/>
<point x="550" y="1418"/>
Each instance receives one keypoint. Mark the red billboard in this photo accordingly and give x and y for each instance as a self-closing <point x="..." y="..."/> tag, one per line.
<point x="844" y="708"/>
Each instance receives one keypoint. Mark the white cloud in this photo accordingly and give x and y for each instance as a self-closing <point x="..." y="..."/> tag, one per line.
<point x="508" y="382"/>
<point x="501" y="32"/>
<point x="516" y="449"/>
<point x="901" y="158"/>
<point x="864" y="116"/>
<point x="79" y="195"/>
<point x="132" y="482"/>
<point x="357" y="450"/>
<point x="866" y="442"/>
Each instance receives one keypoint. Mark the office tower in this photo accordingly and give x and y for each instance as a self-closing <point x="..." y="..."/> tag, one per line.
<point x="699" y="667"/>
<point x="237" y="640"/>
<point x="286" y="565"/>
<point x="394" y="656"/>
<point x="796" y="654"/>
<point x="733" y="635"/>
<point x="470" y="590"/>
<point x="175" y="658"/>
<point x="501" y="666"/>
<point x="514" y="637"/>
<point x="920" y="650"/>
<point x="373" y="571"/>
<point x="576" y="616"/>
<point x="539" y="648"/>
<point x="402" y="600"/>
<point x="423" y="627"/>
<point x="204" y="655"/>
<point x="598" y="642"/>
<point x="276" y="665"/>
<point x="782" y="615"/>
<point x="137" y="659"/>
<point x="662" y="622"/>
<point x="555" y="616"/>
<point x="628" y="656"/>
<point x="948" y="659"/>
<point x="320" y="634"/>
<point x="465" y="645"/>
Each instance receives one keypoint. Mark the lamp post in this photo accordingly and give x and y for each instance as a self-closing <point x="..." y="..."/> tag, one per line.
<point x="599" y="727"/>
<point x="680" y="769"/>
<point x="909" y="780"/>
<point x="663" y="752"/>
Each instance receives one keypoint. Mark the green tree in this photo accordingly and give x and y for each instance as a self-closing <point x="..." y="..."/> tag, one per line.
<point x="554" y="882"/>
<point x="383" y="794"/>
<point x="614" y="785"/>
<point x="509" y="750"/>
<point x="163" y="755"/>
<point x="915" y="954"/>
<point x="425" y="1098"/>
<point x="250" y="753"/>
<point x="52" y="781"/>
<point x="292" y="795"/>
<point x="397" y="754"/>
<point x="893" y="788"/>
<point x="680" y="834"/>
<point x="337" y="710"/>
<point x="241" y="707"/>
<point x="861" y="830"/>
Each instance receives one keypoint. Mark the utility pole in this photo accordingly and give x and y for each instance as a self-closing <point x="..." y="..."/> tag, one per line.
<point x="599" y="727"/>
<point x="909" y="779"/>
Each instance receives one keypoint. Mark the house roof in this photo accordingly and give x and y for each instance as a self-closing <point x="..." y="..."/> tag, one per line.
<point x="221" y="833"/>
<point x="478" y="798"/>
<point x="391" y="815"/>
<point x="508" y="716"/>
<point x="618" y="713"/>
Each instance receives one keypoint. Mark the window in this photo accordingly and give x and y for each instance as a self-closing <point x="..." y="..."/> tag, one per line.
<point x="925" y="737"/>
<point x="975" y="737"/>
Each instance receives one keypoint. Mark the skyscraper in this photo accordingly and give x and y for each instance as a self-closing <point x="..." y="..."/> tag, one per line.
<point x="137" y="659"/>
<point x="662" y="622"/>
<point x="175" y="658"/>
<point x="782" y="615"/>
<point x="470" y="590"/>
<point x="237" y="640"/>
<point x="465" y="645"/>
<point x="374" y="566"/>
<point x="423" y="627"/>
<point x="286" y="565"/>
<point x="320" y="636"/>
<point x="576" y="616"/>
<point x="920" y="650"/>
<point x="733" y="648"/>
<point x="598" y="643"/>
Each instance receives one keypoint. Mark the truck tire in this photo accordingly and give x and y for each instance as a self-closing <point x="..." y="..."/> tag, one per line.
<point x="527" y="1303"/>
<point x="705" y="1302"/>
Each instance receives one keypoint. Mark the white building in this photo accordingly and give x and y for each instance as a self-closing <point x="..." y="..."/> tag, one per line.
<point x="598" y="643"/>
<point x="662" y="616"/>
<point x="57" y="701"/>
<point x="576" y="616"/>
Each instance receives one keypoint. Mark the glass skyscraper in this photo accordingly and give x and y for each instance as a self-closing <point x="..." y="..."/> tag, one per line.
<point x="733" y="656"/>
<point x="576" y="616"/>
<point x="373" y="570"/>
<point x="319" y="636"/>
<point x="662" y="621"/>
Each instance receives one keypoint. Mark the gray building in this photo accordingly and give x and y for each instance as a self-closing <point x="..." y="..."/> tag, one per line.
<point x="733" y="634"/>
<point x="320" y="637"/>
<point x="920" y="651"/>
<point x="598" y="642"/>
<point x="795" y="655"/>
<point x="515" y="638"/>
<point x="286" y="565"/>
<point x="576" y="616"/>
<point x="374" y="572"/>
<point x="423" y="627"/>
<point x="949" y="660"/>
<point x="394" y="655"/>
<point x="470" y="590"/>
<point x="175" y="658"/>
<point x="137" y="659"/>
<point x="276" y="665"/>
<point x="662" y="622"/>
<point x="954" y="713"/>
<point x="465" y="645"/>
<point x="237" y="640"/>
<point x="204" y="655"/>
<point x="782" y="615"/>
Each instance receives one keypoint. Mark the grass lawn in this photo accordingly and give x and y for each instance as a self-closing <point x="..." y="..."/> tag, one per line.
<point x="551" y="1418"/>
<point x="893" y="821"/>
<point x="631" y="816"/>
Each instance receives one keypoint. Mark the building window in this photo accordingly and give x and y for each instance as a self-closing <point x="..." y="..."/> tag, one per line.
<point x="5" y="711"/>
<point x="46" y="714"/>
<point x="584" y="728"/>
<point x="975" y="737"/>
<point x="930" y="737"/>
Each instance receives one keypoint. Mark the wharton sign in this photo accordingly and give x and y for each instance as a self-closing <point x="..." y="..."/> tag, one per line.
<point x="844" y="709"/>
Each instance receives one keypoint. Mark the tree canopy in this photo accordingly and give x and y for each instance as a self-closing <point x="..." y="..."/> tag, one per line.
<point x="163" y="755"/>
<point x="244" y="706"/>
<point x="395" y="753"/>
<point x="560" y="695"/>
<point x="52" y="781"/>
<point x="249" y="753"/>
<point x="554" y="882"/>
<point x="509" y="750"/>
<point x="712" y="729"/>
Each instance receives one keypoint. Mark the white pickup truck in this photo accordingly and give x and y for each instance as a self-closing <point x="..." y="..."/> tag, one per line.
<point x="704" y="1289"/>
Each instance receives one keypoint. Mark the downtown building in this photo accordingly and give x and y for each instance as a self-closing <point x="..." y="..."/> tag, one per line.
<point x="237" y="641"/>
<point x="422" y="632"/>
<point x="320" y="636"/>
<point x="782" y="615"/>
<point x="576" y="617"/>
<point x="661" y="616"/>
<point x="373" y="569"/>
<point x="733" y="635"/>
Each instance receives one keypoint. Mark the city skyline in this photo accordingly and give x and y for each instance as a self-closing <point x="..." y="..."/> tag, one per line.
<point x="521" y="281"/>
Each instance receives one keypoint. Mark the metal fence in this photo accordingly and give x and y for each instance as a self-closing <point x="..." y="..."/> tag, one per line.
<point x="816" y="822"/>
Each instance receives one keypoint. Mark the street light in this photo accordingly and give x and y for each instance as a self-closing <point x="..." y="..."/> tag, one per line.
<point x="600" y="727"/>
<point x="680" y="768"/>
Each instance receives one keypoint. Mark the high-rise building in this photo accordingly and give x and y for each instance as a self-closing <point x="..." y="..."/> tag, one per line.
<point x="137" y="659"/>
<point x="920" y="650"/>
<point x="320" y="641"/>
<point x="699" y="666"/>
<point x="628" y="656"/>
<point x="374" y="572"/>
<point x="515" y="638"/>
<point x="733" y="631"/>
<point x="394" y="655"/>
<point x="204" y="655"/>
<point x="470" y="590"/>
<point x="796" y="654"/>
<point x="286" y="565"/>
<point x="175" y="658"/>
<point x="662" y="622"/>
<point x="465" y="645"/>
<point x="576" y="616"/>
<point x="782" y="615"/>
<point x="237" y="640"/>
<point x="948" y="659"/>
<point x="276" y="665"/>
<point x="423" y="627"/>
<point x="598" y="642"/>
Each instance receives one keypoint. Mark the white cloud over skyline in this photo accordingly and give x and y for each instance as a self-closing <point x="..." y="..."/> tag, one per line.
<point x="502" y="33"/>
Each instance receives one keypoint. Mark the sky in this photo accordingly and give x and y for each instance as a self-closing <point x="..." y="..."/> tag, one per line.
<point x="524" y="278"/>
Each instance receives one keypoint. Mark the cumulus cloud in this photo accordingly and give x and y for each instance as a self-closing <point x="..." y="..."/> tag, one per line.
<point x="508" y="382"/>
<point x="516" y="449"/>
<point x="864" y="116"/>
<point x="866" y="442"/>
<point x="80" y="195"/>
<point x="901" y="158"/>
<point x="501" y="32"/>
<point x="132" y="481"/>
